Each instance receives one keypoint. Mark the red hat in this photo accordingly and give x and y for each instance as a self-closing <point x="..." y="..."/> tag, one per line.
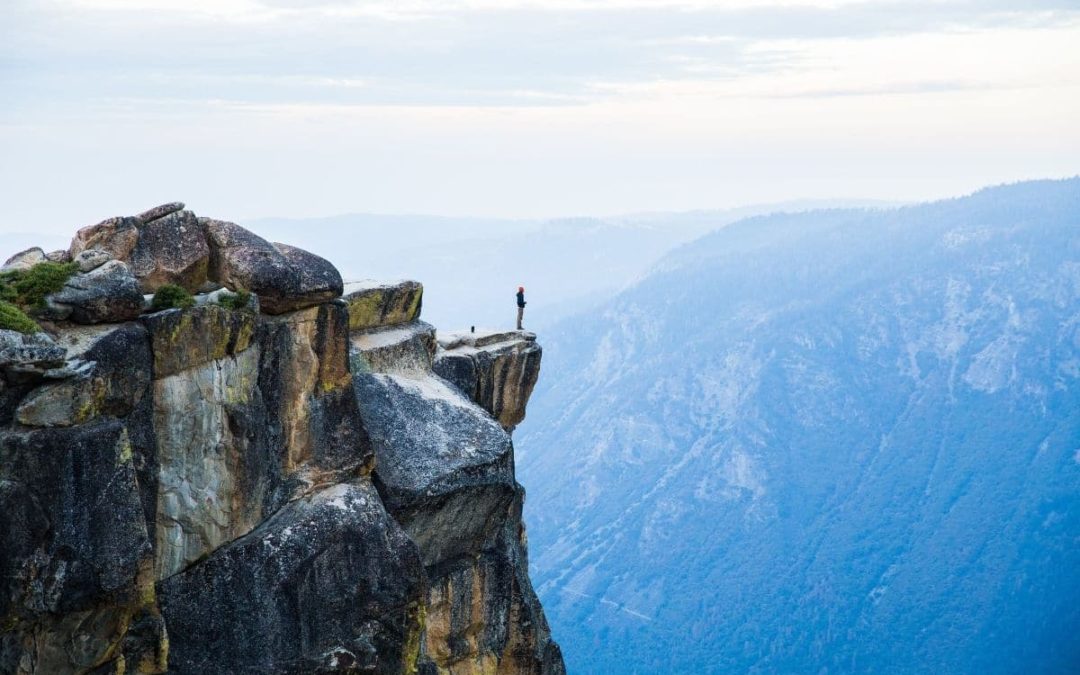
<point x="521" y="289"/>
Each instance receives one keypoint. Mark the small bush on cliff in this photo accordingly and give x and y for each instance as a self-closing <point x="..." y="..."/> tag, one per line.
<point x="235" y="301"/>
<point x="171" y="296"/>
<point x="13" y="318"/>
<point x="28" y="288"/>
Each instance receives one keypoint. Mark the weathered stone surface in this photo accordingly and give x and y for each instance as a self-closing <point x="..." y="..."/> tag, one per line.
<point x="305" y="379"/>
<point x="63" y="404"/>
<point x="285" y="278"/>
<point x="159" y="211"/>
<point x="445" y="471"/>
<point x="498" y="370"/>
<point x="483" y="615"/>
<point x="211" y="483"/>
<point x="443" y="467"/>
<point x="373" y="303"/>
<point x="399" y="348"/>
<point x="320" y="281"/>
<point x="116" y="236"/>
<point x="249" y="412"/>
<point x="171" y="250"/>
<point x="24" y="260"/>
<point x="188" y="338"/>
<point x="108" y="293"/>
<point x="28" y="355"/>
<point x="329" y="580"/>
<point x="91" y="259"/>
<point x="75" y="546"/>
<point x="61" y="256"/>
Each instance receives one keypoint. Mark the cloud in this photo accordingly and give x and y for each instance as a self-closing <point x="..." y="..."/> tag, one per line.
<point x="470" y="53"/>
<point x="497" y="106"/>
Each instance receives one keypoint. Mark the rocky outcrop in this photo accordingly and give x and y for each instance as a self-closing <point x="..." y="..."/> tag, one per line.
<point x="284" y="278"/>
<point x="374" y="304"/>
<point x="23" y="260"/>
<point x="106" y="293"/>
<point x="445" y="471"/>
<point x="250" y="487"/>
<point x="171" y="249"/>
<point x="498" y="370"/>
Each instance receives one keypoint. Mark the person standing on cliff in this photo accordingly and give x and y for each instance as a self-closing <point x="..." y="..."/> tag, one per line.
<point x="521" y="305"/>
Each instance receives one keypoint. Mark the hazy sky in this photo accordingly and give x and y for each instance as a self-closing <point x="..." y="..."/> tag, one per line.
<point x="246" y="108"/>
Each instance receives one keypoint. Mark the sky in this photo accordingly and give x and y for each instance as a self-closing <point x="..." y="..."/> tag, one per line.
<point x="523" y="108"/>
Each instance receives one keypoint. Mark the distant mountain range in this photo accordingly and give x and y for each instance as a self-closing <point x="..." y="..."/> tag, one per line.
<point x="835" y="441"/>
<point x="471" y="267"/>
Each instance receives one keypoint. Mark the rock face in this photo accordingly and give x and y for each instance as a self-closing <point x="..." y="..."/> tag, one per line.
<point x="498" y="370"/>
<point x="254" y="488"/>
<point x="445" y="470"/>
<point x="373" y="304"/>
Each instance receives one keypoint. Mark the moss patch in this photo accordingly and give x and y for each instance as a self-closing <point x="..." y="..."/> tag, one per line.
<point x="28" y="288"/>
<point x="171" y="296"/>
<point x="13" y="318"/>
<point x="23" y="291"/>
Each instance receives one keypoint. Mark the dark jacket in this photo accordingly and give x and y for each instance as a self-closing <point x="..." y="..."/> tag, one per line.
<point x="521" y="299"/>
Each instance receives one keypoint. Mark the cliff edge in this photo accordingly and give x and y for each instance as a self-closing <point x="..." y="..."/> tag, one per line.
<point x="282" y="474"/>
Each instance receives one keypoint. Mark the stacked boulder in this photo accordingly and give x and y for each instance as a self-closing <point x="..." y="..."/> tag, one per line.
<point x="497" y="369"/>
<point x="445" y="470"/>
<point x="283" y="486"/>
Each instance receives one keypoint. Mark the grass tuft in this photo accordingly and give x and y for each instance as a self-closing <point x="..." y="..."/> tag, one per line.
<point x="171" y="296"/>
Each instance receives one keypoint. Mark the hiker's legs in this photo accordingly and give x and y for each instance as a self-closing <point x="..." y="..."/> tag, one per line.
<point x="521" y="313"/>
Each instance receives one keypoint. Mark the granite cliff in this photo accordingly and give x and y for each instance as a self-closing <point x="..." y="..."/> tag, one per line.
<point x="291" y="475"/>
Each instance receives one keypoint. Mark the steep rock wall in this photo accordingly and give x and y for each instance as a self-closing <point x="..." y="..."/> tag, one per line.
<point x="445" y="470"/>
<point x="223" y="490"/>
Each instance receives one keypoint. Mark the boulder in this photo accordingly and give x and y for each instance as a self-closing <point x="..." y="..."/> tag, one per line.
<point x="34" y="353"/>
<point x="171" y="249"/>
<point x="373" y="304"/>
<point x="116" y="236"/>
<point x="183" y="339"/>
<point x="108" y="293"/>
<point x="159" y="212"/>
<point x="319" y="279"/>
<point x="285" y="278"/>
<point x="329" y="584"/>
<point x="445" y="472"/>
<point x="497" y="370"/>
<point x="109" y="375"/>
<point x="61" y="256"/>
<point x="24" y="260"/>
<point x="91" y="259"/>
<point x="393" y="349"/>
<point x="443" y="467"/>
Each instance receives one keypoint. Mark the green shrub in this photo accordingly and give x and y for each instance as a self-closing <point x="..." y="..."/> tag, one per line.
<point x="171" y="296"/>
<point x="235" y="301"/>
<point x="28" y="288"/>
<point x="13" y="318"/>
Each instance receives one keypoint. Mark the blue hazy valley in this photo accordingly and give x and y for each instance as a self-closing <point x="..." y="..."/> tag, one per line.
<point x="833" y="441"/>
